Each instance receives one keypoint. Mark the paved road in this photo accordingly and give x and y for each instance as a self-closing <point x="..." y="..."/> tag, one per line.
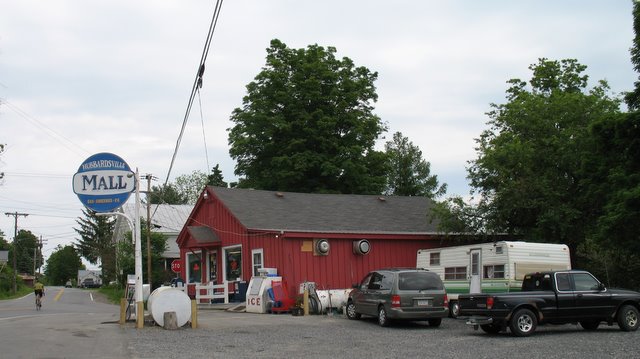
<point x="74" y="326"/>
<point x="71" y="324"/>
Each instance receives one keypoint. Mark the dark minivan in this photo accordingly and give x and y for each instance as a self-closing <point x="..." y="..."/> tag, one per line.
<point x="399" y="294"/>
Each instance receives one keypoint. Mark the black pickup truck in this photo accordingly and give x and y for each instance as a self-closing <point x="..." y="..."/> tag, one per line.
<point x="552" y="298"/>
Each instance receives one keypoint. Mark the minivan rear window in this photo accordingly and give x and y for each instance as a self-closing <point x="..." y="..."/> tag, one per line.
<point x="419" y="281"/>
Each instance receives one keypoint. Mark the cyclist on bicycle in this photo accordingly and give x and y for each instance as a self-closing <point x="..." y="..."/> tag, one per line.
<point x="38" y="289"/>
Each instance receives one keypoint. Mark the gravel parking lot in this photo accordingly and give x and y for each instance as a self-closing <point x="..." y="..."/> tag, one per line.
<point x="224" y="334"/>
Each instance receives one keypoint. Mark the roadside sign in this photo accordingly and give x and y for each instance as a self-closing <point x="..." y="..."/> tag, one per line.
<point x="104" y="182"/>
<point x="176" y="266"/>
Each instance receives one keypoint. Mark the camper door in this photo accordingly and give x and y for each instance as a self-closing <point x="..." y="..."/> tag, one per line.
<point x="475" y="278"/>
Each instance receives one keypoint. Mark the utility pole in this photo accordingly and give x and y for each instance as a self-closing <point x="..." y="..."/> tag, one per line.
<point x="149" y="177"/>
<point x="15" y="249"/>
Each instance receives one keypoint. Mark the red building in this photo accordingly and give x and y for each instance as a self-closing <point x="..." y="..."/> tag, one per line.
<point x="330" y="239"/>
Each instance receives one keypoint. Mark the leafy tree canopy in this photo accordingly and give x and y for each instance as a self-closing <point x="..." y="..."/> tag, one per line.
<point x="530" y="166"/>
<point x="307" y="125"/>
<point x="63" y="264"/>
<point x="409" y="174"/>
<point x="23" y="248"/>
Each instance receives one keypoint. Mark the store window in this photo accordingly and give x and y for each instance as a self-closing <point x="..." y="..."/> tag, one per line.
<point x="233" y="263"/>
<point x="194" y="267"/>
<point x="256" y="261"/>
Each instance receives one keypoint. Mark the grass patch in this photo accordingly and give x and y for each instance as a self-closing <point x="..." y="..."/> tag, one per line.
<point x="113" y="293"/>
<point x="22" y="291"/>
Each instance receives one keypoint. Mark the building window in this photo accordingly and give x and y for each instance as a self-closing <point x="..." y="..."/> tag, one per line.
<point x="257" y="263"/>
<point x="499" y="250"/>
<point x="494" y="271"/>
<point x="194" y="267"/>
<point x="233" y="263"/>
<point x="455" y="273"/>
<point x="434" y="259"/>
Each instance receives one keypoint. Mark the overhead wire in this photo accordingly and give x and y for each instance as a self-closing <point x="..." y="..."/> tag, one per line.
<point x="197" y="84"/>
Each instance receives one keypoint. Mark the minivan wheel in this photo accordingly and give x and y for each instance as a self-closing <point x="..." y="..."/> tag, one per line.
<point x="382" y="317"/>
<point x="351" y="311"/>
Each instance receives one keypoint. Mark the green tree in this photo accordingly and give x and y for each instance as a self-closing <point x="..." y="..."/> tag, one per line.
<point x="409" y="174"/>
<point x="95" y="243"/>
<point x="530" y="166"/>
<point x="126" y="259"/>
<point x="63" y="264"/>
<point x="633" y="98"/>
<point x="166" y="194"/>
<point x="216" y="178"/>
<point x="307" y="125"/>
<point x="23" y="247"/>
<point x="190" y="186"/>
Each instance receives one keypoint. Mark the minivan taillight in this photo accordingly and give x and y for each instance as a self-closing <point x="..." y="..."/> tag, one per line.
<point x="489" y="302"/>
<point x="446" y="301"/>
<point x="395" y="301"/>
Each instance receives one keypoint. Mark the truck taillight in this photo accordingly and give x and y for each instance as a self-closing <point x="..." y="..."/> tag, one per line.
<point x="489" y="302"/>
<point x="395" y="300"/>
<point x="446" y="301"/>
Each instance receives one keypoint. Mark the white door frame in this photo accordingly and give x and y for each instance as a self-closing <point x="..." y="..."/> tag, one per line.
<point x="475" y="270"/>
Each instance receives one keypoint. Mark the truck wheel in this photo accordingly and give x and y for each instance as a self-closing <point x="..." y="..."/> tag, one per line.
<point x="628" y="318"/>
<point x="589" y="324"/>
<point x="351" y="311"/>
<point x="523" y="323"/>
<point x="454" y="309"/>
<point x="382" y="317"/>
<point x="491" y="328"/>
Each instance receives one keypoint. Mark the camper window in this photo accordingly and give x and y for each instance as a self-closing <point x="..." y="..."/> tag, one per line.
<point x="455" y="273"/>
<point x="434" y="259"/>
<point x="494" y="271"/>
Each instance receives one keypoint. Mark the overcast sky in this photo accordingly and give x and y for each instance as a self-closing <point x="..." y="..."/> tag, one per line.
<point x="82" y="77"/>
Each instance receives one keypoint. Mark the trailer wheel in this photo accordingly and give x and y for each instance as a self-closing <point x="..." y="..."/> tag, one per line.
<point x="628" y="318"/>
<point x="454" y="309"/>
<point x="523" y="323"/>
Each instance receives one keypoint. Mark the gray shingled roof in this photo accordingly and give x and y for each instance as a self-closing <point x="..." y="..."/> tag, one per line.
<point x="333" y="213"/>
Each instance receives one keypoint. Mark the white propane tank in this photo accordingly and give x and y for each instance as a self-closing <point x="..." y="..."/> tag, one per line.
<point x="333" y="298"/>
<point x="169" y="299"/>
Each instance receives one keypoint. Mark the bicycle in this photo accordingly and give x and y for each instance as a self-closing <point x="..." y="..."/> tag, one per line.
<point x="38" y="302"/>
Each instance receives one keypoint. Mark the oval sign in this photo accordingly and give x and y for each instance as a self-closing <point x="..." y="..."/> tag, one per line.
<point x="104" y="182"/>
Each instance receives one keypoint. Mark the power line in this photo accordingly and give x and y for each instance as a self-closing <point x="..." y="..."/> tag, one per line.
<point x="197" y="83"/>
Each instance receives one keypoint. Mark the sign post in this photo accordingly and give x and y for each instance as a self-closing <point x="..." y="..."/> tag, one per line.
<point x="103" y="184"/>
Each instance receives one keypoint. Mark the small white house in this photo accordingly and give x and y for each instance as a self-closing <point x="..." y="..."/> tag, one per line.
<point x="83" y="274"/>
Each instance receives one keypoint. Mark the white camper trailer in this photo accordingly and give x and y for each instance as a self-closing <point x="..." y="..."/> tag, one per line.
<point x="490" y="267"/>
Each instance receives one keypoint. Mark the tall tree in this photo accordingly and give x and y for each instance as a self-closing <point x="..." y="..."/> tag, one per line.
<point x="307" y="125"/>
<point x="23" y="247"/>
<point x="409" y="174"/>
<point x="190" y="186"/>
<point x="63" y="264"/>
<point x="95" y="243"/>
<point x="216" y="178"/>
<point x="166" y="194"/>
<point x="530" y="163"/>
<point x="632" y="98"/>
